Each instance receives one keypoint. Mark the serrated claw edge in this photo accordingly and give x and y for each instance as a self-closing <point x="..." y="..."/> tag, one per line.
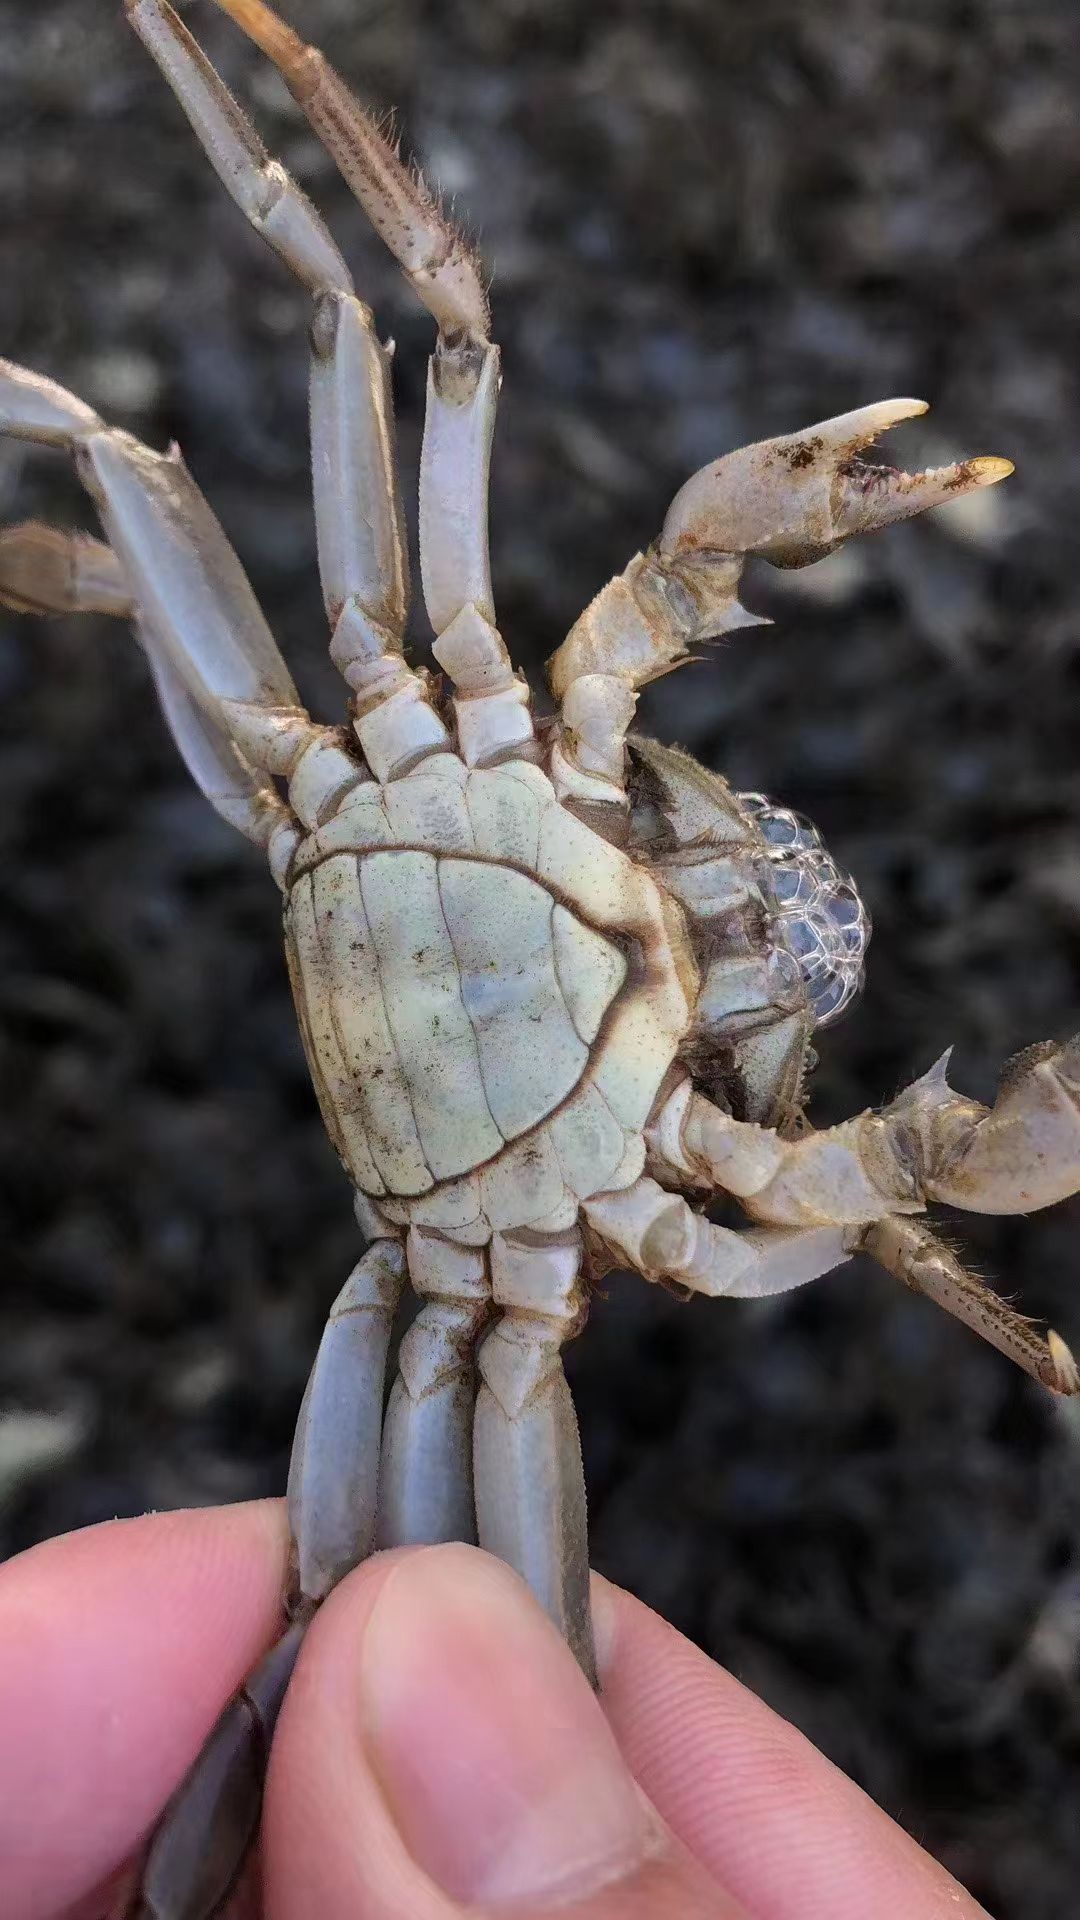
<point x="793" y="499"/>
<point x="868" y="496"/>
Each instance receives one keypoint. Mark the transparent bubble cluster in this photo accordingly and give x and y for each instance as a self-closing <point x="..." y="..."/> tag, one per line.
<point x="818" y="914"/>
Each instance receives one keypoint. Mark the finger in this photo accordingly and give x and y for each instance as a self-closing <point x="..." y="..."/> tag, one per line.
<point x="775" y="1821"/>
<point x="439" y="1751"/>
<point x="118" y="1646"/>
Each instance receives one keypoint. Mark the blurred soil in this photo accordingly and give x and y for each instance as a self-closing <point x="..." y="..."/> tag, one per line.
<point x="707" y="222"/>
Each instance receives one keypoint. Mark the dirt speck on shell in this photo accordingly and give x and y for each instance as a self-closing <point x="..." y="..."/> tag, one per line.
<point x="707" y="223"/>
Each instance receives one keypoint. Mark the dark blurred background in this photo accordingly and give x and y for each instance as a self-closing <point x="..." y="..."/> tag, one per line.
<point x="708" y="222"/>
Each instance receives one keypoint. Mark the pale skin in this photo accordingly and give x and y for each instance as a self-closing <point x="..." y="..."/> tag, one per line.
<point x="676" y="1792"/>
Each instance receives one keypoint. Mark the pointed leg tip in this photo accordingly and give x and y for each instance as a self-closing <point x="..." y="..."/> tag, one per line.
<point x="1066" y="1373"/>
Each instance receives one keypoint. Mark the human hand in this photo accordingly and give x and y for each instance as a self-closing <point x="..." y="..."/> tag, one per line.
<point x="438" y="1750"/>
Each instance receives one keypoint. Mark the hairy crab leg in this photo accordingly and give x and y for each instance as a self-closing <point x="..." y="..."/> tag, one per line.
<point x="915" y="1255"/>
<point x="46" y="571"/>
<point x="861" y="1178"/>
<point x="530" y="1484"/>
<point x="358" y="517"/>
<point x="200" y="1844"/>
<point x="192" y="595"/>
<point x="492" y="703"/>
<point x="442" y="269"/>
<point x="425" y="1475"/>
<point x="790" y="500"/>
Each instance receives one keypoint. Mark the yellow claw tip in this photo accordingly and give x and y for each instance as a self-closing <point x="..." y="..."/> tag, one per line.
<point x="987" y="469"/>
<point x="1065" y="1367"/>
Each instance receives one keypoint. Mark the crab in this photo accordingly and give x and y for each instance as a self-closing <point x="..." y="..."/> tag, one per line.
<point x="557" y="983"/>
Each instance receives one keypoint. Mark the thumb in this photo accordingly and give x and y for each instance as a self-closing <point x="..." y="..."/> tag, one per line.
<point x="439" y="1749"/>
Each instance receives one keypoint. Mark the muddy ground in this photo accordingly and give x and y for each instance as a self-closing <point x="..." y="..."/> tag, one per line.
<point x="707" y="222"/>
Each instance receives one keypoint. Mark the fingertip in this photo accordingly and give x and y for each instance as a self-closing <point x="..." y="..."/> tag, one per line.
<point x="440" y="1752"/>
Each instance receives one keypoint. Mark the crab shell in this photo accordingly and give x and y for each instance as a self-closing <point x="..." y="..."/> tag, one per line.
<point x="490" y="994"/>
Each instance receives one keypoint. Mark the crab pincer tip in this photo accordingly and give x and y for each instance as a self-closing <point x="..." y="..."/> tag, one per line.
<point x="987" y="469"/>
<point x="1066" y="1372"/>
<point x="893" y="411"/>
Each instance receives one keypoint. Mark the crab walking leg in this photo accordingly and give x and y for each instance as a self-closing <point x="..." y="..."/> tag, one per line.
<point x="443" y="271"/>
<point x="425" y="1474"/>
<point x="358" y="516"/>
<point x="204" y="1834"/>
<point x="492" y="702"/>
<point x="931" y="1143"/>
<point x="361" y="539"/>
<point x="848" y="1175"/>
<point x="334" y="1471"/>
<point x="361" y="544"/>
<point x="243" y="797"/>
<point x="530" y="1483"/>
<point x="790" y="500"/>
<point x="862" y="1177"/>
<point x="663" y="1238"/>
<point x="45" y="571"/>
<point x="201" y="1841"/>
<point x="908" y="1249"/>
<point x="492" y="707"/>
<point x="191" y="591"/>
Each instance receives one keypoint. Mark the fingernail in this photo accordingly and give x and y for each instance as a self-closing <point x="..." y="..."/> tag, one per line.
<point x="494" y="1757"/>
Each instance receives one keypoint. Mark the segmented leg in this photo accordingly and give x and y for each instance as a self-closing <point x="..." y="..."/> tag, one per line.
<point x="492" y="702"/>
<point x="930" y="1144"/>
<point x="200" y="1844"/>
<point x="663" y="1238"/>
<point x="192" y="595"/>
<point x="358" y="517"/>
<point x="426" y="1473"/>
<point x="443" y="271"/>
<point x="530" y="1485"/>
<point x="859" y="1179"/>
<point x="44" y="571"/>
<point x="908" y="1249"/>
<point x="205" y="1832"/>
<point x="791" y="500"/>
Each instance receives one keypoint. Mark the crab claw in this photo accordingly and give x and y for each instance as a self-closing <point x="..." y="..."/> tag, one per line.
<point x="795" y="498"/>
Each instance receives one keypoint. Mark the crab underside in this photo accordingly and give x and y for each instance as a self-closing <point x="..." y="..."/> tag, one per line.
<point x="556" y="986"/>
